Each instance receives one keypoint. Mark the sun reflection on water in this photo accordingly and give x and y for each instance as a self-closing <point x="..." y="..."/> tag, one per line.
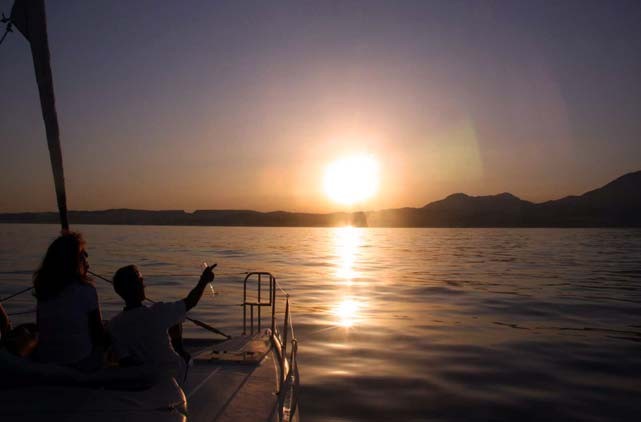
<point x="348" y="307"/>
<point x="347" y="312"/>
<point x="347" y="241"/>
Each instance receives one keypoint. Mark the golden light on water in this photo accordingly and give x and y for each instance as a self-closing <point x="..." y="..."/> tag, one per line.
<point x="347" y="312"/>
<point x="352" y="179"/>
<point x="347" y="241"/>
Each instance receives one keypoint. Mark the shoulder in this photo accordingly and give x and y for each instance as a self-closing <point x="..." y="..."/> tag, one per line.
<point x="85" y="286"/>
<point x="169" y="313"/>
<point x="119" y="316"/>
<point x="86" y="289"/>
<point x="73" y="291"/>
<point x="114" y="321"/>
<point x="169" y="307"/>
<point x="122" y="322"/>
<point x="117" y="320"/>
<point x="79" y="287"/>
<point x="83" y="293"/>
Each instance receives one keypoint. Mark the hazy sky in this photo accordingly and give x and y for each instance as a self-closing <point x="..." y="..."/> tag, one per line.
<point x="212" y="104"/>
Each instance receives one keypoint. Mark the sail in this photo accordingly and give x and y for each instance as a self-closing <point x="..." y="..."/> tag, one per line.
<point x="30" y="19"/>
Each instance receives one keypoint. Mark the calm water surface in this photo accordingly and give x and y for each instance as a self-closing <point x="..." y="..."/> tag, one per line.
<point x="407" y="324"/>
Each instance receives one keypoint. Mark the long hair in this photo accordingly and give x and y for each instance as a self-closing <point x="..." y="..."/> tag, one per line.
<point x="61" y="266"/>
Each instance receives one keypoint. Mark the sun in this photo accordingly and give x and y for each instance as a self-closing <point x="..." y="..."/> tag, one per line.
<point x="352" y="179"/>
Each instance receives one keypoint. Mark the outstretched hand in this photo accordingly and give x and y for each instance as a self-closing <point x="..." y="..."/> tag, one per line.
<point x="208" y="274"/>
<point x="197" y="292"/>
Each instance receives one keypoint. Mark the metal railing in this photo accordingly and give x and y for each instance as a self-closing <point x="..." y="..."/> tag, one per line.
<point x="289" y="380"/>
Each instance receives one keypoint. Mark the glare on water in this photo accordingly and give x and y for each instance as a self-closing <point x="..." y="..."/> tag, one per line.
<point x="347" y="241"/>
<point x="347" y="312"/>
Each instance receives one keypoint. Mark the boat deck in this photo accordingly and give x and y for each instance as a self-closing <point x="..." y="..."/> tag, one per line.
<point x="233" y="380"/>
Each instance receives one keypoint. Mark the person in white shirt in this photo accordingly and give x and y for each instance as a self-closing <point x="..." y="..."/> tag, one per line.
<point x="140" y="334"/>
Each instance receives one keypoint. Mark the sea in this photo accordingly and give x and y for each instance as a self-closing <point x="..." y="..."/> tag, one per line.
<point x="404" y="324"/>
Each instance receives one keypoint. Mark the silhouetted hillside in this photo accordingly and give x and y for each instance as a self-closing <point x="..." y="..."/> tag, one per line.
<point x="116" y="216"/>
<point x="463" y="210"/>
<point x="617" y="204"/>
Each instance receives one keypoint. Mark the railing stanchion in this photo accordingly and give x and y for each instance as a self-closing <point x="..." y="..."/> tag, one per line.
<point x="296" y="383"/>
<point x="288" y="375"/>
<point x="272" y="286"/>
<point x="259" y="307"/>
<point x="245" y="305"/>
<point x="284" y="357"/>
<point x="251" y="319"/>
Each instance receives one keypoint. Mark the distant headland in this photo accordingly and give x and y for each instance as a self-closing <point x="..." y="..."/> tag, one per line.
<point x="617" y="204"/>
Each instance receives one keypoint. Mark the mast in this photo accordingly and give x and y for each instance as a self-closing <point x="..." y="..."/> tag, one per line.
<point x="30" y="19"/>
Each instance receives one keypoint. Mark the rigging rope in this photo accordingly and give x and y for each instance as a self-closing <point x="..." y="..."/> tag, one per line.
<point x="33" y="311"/>
<point x="16" y="294"/>
<point x="8" y="29"/>
<point x="231" y="273"/>
<point x="192" y="320"/>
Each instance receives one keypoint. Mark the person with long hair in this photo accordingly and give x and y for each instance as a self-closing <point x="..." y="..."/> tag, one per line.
<point x="68" y="312"/>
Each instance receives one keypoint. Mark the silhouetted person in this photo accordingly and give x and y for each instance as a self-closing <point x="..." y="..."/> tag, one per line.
<point x="68" y="313"/>
<point x="141" y="334"/>
<point x="19" y="341"/>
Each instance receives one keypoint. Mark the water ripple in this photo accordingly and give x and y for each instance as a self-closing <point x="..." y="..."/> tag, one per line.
<point x="409" y="324"/>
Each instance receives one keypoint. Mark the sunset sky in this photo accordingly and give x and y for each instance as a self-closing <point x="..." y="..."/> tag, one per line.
<point x="210" y="104"/>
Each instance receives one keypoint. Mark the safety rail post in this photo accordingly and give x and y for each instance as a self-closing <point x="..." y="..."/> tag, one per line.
<point x="251" y="319"/>
<point x="284" y="357"/>
<point x="289" y="387"/>
<point x="296" y="383"/>
<point x="245" y="305"/>
<point x="282" y="374"/>
<point x="292" y="354"/>
<point x="272" y="286"/>
<point x="259" y="279"/>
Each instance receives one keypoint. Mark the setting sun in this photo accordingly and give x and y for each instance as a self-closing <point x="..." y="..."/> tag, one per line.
<point x="353" y="179"/>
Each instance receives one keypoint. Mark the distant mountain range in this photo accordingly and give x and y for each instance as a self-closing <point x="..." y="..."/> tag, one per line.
<point x="617" y="204"/>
